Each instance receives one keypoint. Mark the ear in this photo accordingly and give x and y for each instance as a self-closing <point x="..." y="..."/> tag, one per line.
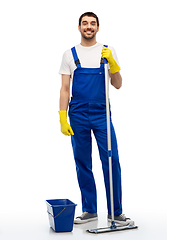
<point x="97" y="28"/>
<point x="79" y="28"/>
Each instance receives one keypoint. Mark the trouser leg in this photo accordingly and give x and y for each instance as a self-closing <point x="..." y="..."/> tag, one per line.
<point x="101" y="137"/>
<point x="82" y="149"/>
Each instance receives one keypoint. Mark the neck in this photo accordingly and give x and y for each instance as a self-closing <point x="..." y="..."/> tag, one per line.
<point x="88" y="43"/>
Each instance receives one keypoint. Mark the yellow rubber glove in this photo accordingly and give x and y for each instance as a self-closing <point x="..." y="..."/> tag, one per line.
<point x="65" y="127"/>
<point x="106" y="53"/>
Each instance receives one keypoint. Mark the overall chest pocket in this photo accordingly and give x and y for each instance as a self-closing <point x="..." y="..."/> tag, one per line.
<point x="88" y="83"/>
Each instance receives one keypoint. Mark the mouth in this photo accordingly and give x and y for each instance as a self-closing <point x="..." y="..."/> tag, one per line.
<point x="89" y="32"/>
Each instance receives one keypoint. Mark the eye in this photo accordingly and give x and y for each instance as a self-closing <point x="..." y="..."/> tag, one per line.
<point x="84" y="23"/>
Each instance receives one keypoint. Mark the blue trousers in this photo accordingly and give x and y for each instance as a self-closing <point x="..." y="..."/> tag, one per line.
<point x="86" y="118"/>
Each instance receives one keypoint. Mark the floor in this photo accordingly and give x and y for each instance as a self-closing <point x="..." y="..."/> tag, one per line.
<point x="34" y="224"/>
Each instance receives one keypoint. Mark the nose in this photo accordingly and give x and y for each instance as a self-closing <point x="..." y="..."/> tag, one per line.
<point x="89" y="25"/>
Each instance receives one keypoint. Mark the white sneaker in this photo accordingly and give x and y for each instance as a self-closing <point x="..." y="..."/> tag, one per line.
<point x="86" y="217"/>
<point x="121" y="220"/>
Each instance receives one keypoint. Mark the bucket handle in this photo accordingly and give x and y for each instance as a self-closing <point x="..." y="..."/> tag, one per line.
<point x="58" y="213"/>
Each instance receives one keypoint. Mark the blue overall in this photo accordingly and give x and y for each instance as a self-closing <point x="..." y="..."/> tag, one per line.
<point x="87" y="113"/>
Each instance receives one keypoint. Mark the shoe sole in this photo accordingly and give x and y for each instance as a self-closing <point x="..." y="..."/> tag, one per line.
<point x="85" y="221"/>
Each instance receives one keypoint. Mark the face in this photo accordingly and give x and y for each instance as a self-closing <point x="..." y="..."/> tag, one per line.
<point x="88" y="28"/>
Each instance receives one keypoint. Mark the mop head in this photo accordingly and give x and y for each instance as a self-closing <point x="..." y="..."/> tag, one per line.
<point x="112" y="228"/>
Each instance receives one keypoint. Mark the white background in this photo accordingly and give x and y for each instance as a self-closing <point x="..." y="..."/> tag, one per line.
<point x="36" y="159"/>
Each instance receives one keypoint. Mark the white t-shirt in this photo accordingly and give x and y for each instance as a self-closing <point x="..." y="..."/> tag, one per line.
<point x="89" y="57"/>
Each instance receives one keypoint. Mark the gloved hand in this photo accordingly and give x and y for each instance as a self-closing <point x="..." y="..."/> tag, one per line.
<point x="65" y="127"/>
<point x="106" y="53"/>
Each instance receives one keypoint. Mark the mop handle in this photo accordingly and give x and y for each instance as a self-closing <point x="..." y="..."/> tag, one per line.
<point x="109" y="137"/>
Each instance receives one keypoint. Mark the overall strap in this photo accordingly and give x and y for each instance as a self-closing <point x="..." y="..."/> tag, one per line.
<point x="75" y="56"/>
<point x="102" y="59"/>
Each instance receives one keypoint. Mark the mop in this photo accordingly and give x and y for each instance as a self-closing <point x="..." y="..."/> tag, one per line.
<point x="113" y="226"/>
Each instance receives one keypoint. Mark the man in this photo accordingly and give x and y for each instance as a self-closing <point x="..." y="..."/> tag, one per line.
<point x="84" y="65"/>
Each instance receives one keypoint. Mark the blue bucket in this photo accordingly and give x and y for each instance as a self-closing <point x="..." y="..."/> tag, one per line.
<point x="61" y="214"/>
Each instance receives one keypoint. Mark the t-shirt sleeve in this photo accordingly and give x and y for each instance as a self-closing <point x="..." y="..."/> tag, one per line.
<point x="65" y="66"/>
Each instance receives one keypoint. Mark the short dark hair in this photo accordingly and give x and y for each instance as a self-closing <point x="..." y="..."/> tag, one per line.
<point x="89" y="14"/>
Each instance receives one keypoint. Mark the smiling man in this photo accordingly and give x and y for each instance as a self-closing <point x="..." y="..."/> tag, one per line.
<point x="84" y="65"/>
